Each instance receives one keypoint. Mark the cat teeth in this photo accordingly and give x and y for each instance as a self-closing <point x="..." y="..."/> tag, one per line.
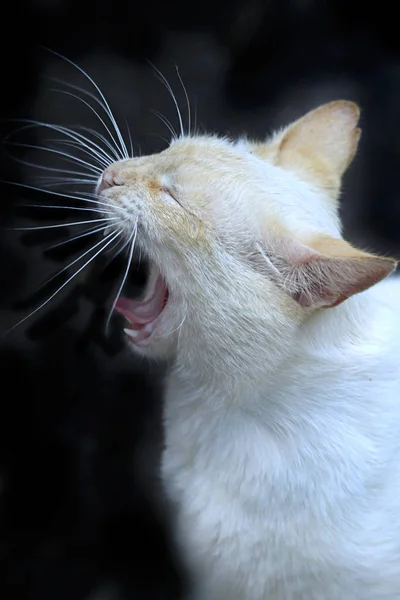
<point x="132" y="333"/>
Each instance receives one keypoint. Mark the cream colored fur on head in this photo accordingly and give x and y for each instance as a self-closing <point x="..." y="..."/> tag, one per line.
<point x="282" y="407"/>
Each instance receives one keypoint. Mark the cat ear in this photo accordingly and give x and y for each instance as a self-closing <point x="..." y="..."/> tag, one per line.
<point x="319" y="146"/>
<point x="324" y="272"/>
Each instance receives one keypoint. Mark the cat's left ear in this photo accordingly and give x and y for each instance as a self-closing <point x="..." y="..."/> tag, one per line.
<point x="319" y="146"/>
<point x="323" y="272"/>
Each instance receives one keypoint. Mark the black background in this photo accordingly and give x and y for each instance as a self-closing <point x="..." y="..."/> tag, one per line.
<point x="80" y="417"/>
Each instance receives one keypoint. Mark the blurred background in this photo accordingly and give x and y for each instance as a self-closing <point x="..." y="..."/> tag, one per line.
<point x="81" y="512"/>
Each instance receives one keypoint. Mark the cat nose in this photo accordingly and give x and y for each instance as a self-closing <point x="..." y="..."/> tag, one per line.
<point x="108" y="179"/>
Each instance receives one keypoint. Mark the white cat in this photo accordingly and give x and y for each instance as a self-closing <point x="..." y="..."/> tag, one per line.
<point x="282" y="402"/>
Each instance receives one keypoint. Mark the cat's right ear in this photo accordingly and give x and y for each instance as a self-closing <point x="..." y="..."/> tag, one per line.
<point x="318" y="147"/>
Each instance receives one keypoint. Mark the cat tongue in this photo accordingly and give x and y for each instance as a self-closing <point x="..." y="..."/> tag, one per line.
<point x="140" y="313"/>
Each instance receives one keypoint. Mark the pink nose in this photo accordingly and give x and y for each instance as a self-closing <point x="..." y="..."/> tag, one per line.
<point x="111" y="177"/>
<point x="107" y="181"/>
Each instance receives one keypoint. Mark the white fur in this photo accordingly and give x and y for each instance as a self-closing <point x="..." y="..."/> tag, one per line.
<point x="289" y="486"/>
<point x="282" y="425"/>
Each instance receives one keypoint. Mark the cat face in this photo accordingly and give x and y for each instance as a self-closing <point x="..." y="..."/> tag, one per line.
<point x="238" y="233"/>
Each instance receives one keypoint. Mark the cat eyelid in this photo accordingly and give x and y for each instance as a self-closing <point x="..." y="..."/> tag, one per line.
<point x="167" y="190"/>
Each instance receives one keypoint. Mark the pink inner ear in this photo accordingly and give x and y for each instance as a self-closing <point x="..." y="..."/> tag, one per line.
<point x="316" y="295"/>
<point x="326" y="282"/>
<point x="322" y="277"/>
<point x="299" y="254"/>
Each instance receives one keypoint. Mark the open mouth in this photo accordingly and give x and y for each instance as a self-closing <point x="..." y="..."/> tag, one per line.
<point x="143" y="315"/>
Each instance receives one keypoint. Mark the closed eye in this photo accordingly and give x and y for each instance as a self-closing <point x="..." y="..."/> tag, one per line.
<point x="169" y="195"/>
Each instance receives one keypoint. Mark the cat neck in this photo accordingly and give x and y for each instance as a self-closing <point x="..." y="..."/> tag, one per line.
<point x="345" y="347"/>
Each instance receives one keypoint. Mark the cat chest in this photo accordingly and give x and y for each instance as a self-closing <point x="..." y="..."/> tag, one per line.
<point x="225" y="507"/>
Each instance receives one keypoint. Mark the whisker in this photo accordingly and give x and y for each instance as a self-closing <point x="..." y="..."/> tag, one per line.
<point x="122" y="148"/>
<point x="118" y="251"/>
<point x="63" y="285"/>
<point x="129" y="136"/>
<point x="81" y="139"/>
<point x="71" y="157"/>
<point x="75" y="134"/>
<point x="166" y="123"/>
<point x="110" y="250"/>
<point x="100" y="137"/>
<point x="61" y="195"/>
<point x="74" y="261"/>
<point x="195" y="115"/>
<point x="92" y="146"/>
<point x="61" y="181"/>
<point x="93" y="199"/>
<point x="110" y="115"/>
<point x="109" y="212"/>
<point x="76" y="237"/>
<point x="85" y="177"/>
<point x="63" y="224"/>
<point x="80" y="146"/>
<point x="115" y="150"/>
<point x="161" y="137"/>
<point x="187" y="101"/>
<point x="44" y="168"/>
<point x="131" y="240"/>
<point x="164" y="81"/>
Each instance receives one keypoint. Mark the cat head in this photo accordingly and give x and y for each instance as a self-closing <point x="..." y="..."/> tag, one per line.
<point x="243" y="238"/>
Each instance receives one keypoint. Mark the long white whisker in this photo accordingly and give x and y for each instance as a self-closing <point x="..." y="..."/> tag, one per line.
<point x="166" y="123"/>
<point x="76" y="237"/>
<point x="71" y="264"/>
<point x="75" y="134"/>
<point x="187" y="101"/>
<point x="118" y="252"/>
<point x="44" y="168"/>
<point x="163" y="79"/>
<point x="93" y="199"/>
<point x="86" y="178"/>
<point x="63" y="225"/>
<point x="103" y="212"/>
<point x="161" y="137"/>
<point x="129" y="136"/>
<point x="110" y="115"/>
<point x="131" y="239"/>
<point x="89" y="194"/>
<point x="80" y="146"/>
<point x="63" y="285"/>
<point x="115" y="150"/>
<point x="195" y="115"/>
<point x="80" y="139"/>
<point x="102" y="138"/>
<point x="71" y="157"/>
<point x="69" y="196"/>
<point x="92" y="146"/>
<point x="55" y="181"/>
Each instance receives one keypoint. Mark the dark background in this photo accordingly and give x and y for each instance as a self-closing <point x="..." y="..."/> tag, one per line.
<point x="80" y="508"/>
